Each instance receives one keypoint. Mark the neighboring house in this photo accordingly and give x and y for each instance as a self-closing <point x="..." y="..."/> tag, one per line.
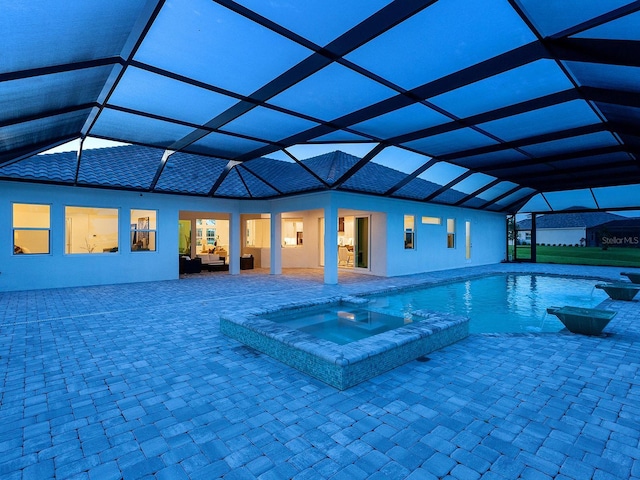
<point x="617" y="233"/>
<point x="563" y="228"/>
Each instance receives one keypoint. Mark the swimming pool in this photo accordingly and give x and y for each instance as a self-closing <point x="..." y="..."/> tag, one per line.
<point x="396" y="327"/>
<point x="511" y="303"/>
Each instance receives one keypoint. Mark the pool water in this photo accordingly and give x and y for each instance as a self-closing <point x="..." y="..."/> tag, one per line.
<point x="493" y="304"/>
<point x="497" y="303"/>
<point x="339" y="323"/>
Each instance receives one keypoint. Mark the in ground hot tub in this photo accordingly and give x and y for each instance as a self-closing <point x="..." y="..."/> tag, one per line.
<point x="344" y="365"/>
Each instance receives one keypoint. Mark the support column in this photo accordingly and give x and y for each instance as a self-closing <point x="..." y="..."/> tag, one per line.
<point x="331" y="243"/>
<point x="275" y="256"/>
<point x="234" y="243"/>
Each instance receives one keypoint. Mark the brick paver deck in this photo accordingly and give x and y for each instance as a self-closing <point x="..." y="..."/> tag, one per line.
<point x="136" y="381"/>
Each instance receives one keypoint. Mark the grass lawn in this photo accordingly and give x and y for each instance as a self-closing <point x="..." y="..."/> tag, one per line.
<point x="615" y="257"/>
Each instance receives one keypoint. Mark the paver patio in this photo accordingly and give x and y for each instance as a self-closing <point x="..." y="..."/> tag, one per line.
<point x="135" y="381"/>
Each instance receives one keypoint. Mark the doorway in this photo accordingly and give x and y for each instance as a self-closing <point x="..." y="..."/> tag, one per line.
<point x="353" y="241"/>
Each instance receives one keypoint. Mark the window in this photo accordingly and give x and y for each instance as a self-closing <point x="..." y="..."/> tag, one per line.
<point x="409" y="232"/>
<point x="431" y="220"/>
<point x="451" y="233"/>
<point x="206" y="234"/>
<point x="91" y="230"/>
<point x="292" y="232"/>
<point x="143" y="230"/>
<point x="258" y="233"/>
<point x="212" y="236"/>
<point x="31" y="225"/>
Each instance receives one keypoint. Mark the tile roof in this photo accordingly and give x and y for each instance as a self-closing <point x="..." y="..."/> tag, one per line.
<point x="569" y="220"/>
<point x="257" y="187"/>
<point x="625" y="223"/>
<point x="135" y="167"/>
<point x="331" y="166"/>
<point x="232" y="186"/>
<point x="374" y="178"/>
<point x="53" y="167"/>
<point x="128" y="166"/>
<point x="190" y="174"/>
<point x="287" y="177"/>
<point x="417" y="189"/>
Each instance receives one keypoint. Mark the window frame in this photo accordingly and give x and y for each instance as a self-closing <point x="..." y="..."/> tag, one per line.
<point x="451" y="233"/>
<point x="427" y="220"/>
<point x="91" y="247"/>
<point x="17" y="250"/>
<point x="297" y="241"/>
<point x="135" y="230"/>
<point x="409" y="233"/>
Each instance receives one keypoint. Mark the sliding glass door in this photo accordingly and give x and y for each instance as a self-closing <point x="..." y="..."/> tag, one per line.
<point x="362" y="242"/>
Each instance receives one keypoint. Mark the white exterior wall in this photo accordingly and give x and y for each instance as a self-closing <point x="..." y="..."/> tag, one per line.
<point x="311" y="209"/>
<point x="57" y="269"/>
<point x="488" y="238"/>
<point x="560" y="236"/>
<point x="388" y="256"/>
<point x="556" y="236"/>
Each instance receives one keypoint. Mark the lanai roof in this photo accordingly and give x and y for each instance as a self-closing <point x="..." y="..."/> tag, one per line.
<point x="509" y="105"/>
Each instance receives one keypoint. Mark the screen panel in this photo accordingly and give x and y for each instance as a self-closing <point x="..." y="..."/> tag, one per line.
<point x="48" y="93"/>
<point x="331" y="93"/>
<point x="43" y="34"/>
<point x="138" y="129"/>
<point x="580" y="143"/>
<point x="316" y="19"/>
<point x="530" y="81"/>
<point x="151" y="93"/>
<point x="560" y="117"/>
<point x="205" y="41"/>
<point x="571" y="200"/>
<point x="268" y="124"/>
<point x="551" y="16"/>
<point x="43" y="130"/>
<point x="400" y="160"/>
<point x="226" y="146"/>
<point x="401" y="53"/>
<point x="402" y="121"/>
<point x="450" y="142"/>
<point x="616" y="77"/>
<point x="536" y="204"/>
<point x="618" y="196"/>
<point x="625" y="28"/>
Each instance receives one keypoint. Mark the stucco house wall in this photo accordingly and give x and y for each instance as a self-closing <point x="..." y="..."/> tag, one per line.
<point x="388" y="257"/>
<point x="57" y="269"/>
<point x="557" y="236"/>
